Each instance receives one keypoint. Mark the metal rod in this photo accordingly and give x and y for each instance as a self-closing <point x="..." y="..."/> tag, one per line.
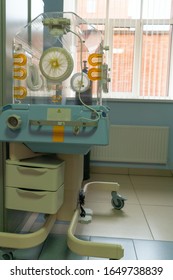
<point x="63" y="123"/>
<point x="89" y="248"/>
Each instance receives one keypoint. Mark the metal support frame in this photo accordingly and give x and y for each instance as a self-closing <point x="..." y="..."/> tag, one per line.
<point x="89" y="248"/>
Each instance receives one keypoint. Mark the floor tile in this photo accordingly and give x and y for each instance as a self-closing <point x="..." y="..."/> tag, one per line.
<point x="28" y="254"/>
<point x="151" y="180"/>
<point x="127" y="191"/>
<point x="153" y="250"/>
<point x="123" y="179"/>
<point x="127" y="244"/>
<point x="150" y="172"/>
<point x="108" y="222"/>
<point x="160" y="221"/>
<point x="155" y="195"/>
<point x="102" y="177"/>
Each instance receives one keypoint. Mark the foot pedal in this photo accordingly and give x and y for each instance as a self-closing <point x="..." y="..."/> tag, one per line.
<point x="88" y="217"/>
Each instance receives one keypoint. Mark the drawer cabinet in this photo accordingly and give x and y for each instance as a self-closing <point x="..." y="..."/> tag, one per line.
<point x="34" y="201"/>
<point x="35" y="185"/>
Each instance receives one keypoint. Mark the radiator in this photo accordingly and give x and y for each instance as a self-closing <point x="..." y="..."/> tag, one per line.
<point x="134" y="144"/>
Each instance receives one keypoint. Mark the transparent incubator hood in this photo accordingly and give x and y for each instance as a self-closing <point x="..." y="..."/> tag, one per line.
<point x="58" y="55"/>
<point x="59" y="65"/>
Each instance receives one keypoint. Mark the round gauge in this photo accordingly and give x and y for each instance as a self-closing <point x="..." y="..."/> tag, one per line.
<point x="80" y="82"/>
<point x="56" y="64"/>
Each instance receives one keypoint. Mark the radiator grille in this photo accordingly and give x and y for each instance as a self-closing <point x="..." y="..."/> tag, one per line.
<point x="135" y="144"/>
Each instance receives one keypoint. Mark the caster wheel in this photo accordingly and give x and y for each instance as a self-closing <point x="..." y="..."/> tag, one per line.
<point x="119" y="203"/>
<point x="6" y="256"/>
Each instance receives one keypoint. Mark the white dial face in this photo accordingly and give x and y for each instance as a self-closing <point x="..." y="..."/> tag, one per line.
<point x="80" y="82"/>
<point x="56" y="64"/>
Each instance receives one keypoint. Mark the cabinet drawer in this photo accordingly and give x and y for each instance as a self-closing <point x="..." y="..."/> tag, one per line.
<point x="34" y="201"/>
<point x="34" y="175"/>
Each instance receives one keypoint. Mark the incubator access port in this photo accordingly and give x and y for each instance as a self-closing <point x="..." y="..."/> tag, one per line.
<point x="14" y="122"/>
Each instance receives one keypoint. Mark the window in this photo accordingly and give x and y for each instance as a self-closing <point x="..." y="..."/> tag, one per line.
<point x="139" y="36"/>
<point x="91" y="6"/>
<point x="122" y="60"/>
<point x="155" y="61"/>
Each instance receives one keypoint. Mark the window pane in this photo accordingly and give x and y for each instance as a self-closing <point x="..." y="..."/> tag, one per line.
<point x="156" y="9"/>
<point x="126" y="9"/>
<point x="150" y="50"/>
<point x="91" y="8"/>
<point x="122" y="67"/>
<point x="155" y="61"/>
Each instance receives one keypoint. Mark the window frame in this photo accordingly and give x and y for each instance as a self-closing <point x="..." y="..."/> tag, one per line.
<point x="138" y="25"/>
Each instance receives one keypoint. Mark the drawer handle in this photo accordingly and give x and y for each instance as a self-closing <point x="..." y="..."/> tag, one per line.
<point x="32" y="194"/>
<point x="31" y="170"/>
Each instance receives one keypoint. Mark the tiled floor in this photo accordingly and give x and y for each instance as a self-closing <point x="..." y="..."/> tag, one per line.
<point x="143" y="227"/>
<point x="147" y="213"/>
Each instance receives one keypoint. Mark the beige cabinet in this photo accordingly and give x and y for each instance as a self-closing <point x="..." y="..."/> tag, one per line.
<point x="35" y="184"/>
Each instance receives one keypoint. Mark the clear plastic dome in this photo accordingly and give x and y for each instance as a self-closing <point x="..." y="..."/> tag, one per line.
<point x="58" y="55"/>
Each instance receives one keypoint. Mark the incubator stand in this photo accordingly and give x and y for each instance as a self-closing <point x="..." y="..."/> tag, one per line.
<point x="59" y="55"/>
